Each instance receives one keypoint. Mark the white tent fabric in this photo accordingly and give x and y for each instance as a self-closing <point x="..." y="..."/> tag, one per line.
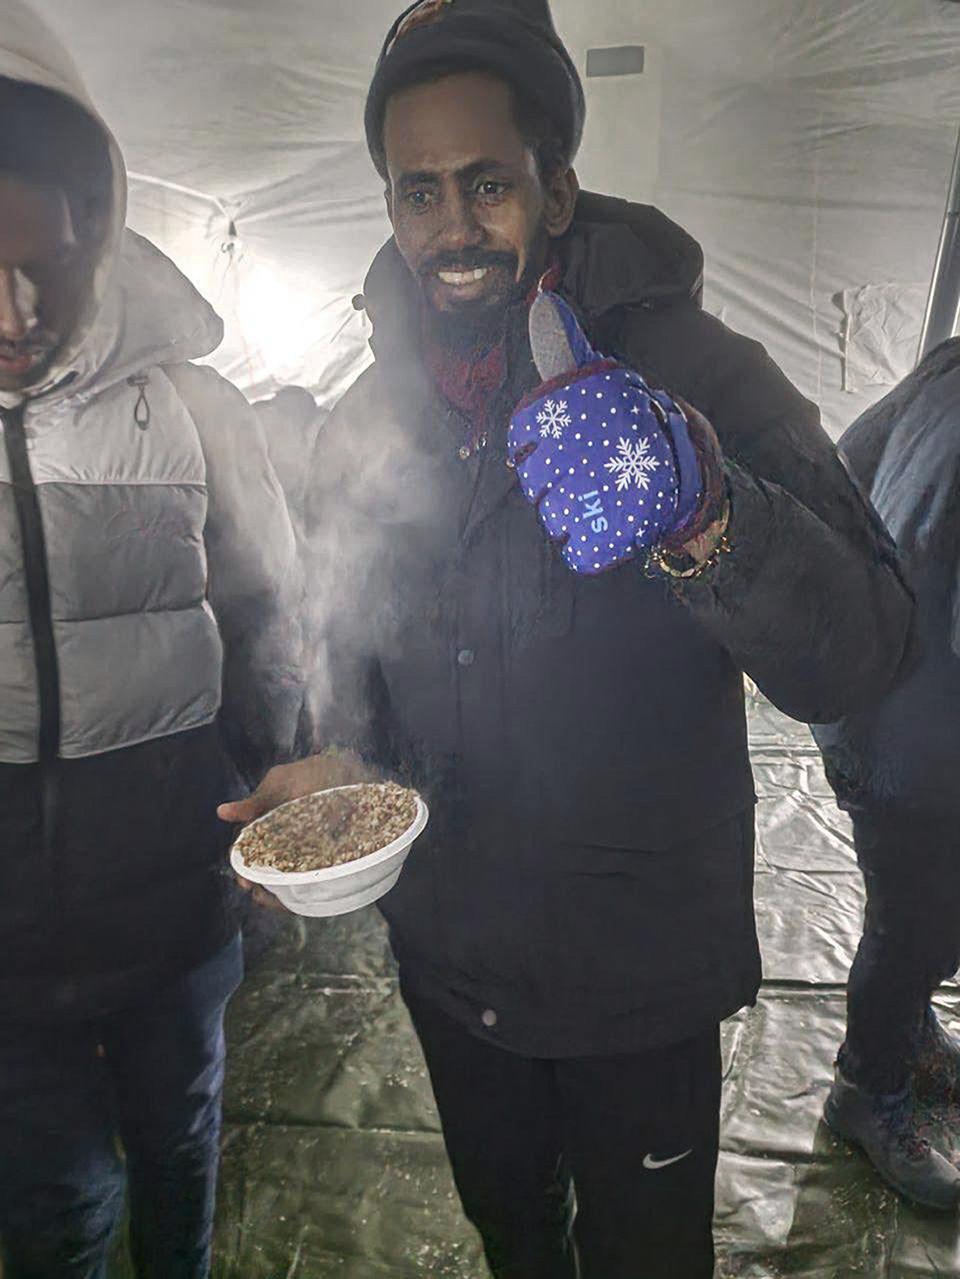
<point x="807" y="143"/>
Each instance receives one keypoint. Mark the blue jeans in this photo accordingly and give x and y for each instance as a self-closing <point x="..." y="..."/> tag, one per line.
<point x="146" y="1080"/>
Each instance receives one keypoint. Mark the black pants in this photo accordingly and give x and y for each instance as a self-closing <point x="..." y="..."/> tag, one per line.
<point x="634" y="1139"/>
<point x="910" y="944"/>
<point x="151" y="1076"/>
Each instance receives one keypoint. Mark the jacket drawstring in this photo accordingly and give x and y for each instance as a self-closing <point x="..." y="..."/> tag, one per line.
<point x="141" y="410"/>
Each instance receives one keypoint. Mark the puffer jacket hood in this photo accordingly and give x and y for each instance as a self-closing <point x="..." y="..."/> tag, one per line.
<point x="151" y="315"/>
<point x="141" y="310"/>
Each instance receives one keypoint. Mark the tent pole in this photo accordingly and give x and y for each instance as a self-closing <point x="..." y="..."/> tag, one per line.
<point x="943" y="306"/>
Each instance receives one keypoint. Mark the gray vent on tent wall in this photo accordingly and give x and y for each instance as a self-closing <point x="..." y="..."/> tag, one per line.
<point x="624" y="59"/>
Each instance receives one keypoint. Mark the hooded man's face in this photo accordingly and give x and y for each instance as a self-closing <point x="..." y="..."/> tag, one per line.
<point x="44" y="276"/>
<point x="472" y="215"/>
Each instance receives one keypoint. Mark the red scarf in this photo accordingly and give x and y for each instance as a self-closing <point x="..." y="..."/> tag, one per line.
<point x="470" y="383"/>
<point x="467" y="382"/>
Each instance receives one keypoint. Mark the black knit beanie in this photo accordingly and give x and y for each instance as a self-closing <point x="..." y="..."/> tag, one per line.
<point x="515" y="39"/>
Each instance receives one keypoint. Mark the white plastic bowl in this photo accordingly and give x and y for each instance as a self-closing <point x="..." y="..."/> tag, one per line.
<point x="335" y="890"/>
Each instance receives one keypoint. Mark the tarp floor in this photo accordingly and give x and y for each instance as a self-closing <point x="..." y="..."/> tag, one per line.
<point x="333" y="1166"/>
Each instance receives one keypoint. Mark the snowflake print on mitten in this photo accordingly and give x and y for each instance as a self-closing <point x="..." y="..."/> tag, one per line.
<point x="605" y="459"/>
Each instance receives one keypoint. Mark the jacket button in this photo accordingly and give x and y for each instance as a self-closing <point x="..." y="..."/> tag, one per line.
<point x="466" y="657"/>
<point x="489" y="1018"/>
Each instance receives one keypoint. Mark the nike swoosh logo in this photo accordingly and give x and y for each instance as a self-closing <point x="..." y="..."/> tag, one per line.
<point x="654" y="1164"/>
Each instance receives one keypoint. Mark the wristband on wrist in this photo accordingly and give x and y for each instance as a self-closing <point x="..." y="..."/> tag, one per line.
<point x="680" y="564"/>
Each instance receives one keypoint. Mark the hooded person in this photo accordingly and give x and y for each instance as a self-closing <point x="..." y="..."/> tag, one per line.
<point x="147" y="660"/>
<point x="544" y="579"/>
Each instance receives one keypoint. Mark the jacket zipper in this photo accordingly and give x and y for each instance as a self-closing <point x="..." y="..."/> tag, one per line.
<point x="37" y="577"/>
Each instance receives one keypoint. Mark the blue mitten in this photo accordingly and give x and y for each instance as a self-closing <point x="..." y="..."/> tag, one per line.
<point x="607" y="461"/>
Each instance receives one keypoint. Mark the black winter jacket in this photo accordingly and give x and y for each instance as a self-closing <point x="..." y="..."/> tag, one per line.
<point x="898" y="757"/>
<point x="587" y="873"/>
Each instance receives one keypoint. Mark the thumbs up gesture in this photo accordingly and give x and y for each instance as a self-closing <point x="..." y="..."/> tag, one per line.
<point x="607" y="461"/>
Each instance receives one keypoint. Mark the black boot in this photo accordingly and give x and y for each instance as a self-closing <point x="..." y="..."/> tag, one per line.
<point x="887" y="1128"/>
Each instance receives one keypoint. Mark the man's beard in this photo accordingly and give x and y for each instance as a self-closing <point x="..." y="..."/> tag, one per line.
<point x="473" y="328"/>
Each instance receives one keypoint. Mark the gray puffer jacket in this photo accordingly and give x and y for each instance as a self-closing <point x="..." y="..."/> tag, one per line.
<point x="149" y="644"/>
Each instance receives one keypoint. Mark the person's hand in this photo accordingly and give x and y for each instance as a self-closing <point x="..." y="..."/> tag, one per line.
<point x="332" y="768"/>
<point x="292" y="781"/>
<point x="607" y="461"/>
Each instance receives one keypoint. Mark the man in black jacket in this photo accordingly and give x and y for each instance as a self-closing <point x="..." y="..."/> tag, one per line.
<point x="893" y="766"/>
<point x="578" y="918"/>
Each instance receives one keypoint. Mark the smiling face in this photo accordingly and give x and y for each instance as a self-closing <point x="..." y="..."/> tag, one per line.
<point x="471" y="212"/>
<point x="44" y="276"/>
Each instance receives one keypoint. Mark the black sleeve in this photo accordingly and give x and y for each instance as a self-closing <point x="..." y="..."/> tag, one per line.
<point x="810" y="602"/>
